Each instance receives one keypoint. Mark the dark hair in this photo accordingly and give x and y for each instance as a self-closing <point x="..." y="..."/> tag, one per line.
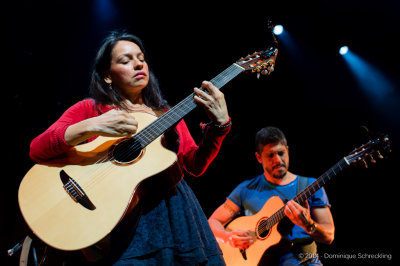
<point x="100" y="91"/>
<point x="268" y="135"/>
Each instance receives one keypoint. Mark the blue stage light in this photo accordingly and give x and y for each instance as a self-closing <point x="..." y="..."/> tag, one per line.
<point x="379" y="89"/>
<point x="105" y="10"/>
<point x="343" y="50"/>
<point x="278" y="30"/>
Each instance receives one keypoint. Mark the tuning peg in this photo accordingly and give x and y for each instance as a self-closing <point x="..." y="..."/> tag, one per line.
<point x="379" y="155"/>
<point x="372" y="159"/>
<point x="265" y="72"/>
<point x="365" y="163"/>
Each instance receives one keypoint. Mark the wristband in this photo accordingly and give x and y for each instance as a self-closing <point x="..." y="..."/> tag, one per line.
<point x="227" y="124"/>
<point x="312" y="228"/>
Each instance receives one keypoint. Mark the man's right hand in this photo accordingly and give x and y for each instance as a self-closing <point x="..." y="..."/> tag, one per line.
<point x="240" y="239"/>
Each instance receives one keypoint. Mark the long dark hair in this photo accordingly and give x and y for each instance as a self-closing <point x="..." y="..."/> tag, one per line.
<point x="100" y="91"/>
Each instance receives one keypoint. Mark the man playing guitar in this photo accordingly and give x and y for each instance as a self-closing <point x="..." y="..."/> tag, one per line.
<point x="312" y="222"/>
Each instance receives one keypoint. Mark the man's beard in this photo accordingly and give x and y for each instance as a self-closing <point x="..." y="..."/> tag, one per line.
<point x="279" y="174"/>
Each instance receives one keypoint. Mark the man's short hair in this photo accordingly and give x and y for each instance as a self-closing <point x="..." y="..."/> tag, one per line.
<point x="268" y="135"/>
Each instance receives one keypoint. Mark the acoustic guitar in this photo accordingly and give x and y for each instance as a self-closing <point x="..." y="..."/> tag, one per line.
<point x="263" y="225"/>
<point x="76" y="200"/>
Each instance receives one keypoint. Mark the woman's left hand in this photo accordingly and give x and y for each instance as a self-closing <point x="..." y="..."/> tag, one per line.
<point x="213" y="103"/>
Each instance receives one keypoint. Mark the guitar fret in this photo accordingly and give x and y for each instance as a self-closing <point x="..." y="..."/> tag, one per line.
<point x="320" y="182"/>
<point x="176" y="113"/>
<point x="224" y="77"/>
<point x="304" y="195"/>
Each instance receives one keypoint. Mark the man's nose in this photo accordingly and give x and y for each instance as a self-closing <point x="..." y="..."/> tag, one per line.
<point x="277" y="159"/>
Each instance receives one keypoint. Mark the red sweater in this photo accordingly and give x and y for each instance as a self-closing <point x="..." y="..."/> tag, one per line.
<point x="192" y="157"/>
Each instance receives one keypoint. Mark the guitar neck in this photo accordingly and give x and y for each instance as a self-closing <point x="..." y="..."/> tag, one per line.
<point x="176" y="113"/>
<point x="309" y="191"/>
<point x="321" y="181"/>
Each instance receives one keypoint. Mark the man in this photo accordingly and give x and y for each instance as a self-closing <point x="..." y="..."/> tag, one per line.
<point x="312" y="220"/>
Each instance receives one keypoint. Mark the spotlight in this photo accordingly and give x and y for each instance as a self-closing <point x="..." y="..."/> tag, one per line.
<point x="377" y="87"/>
<point x="343" y="50"/>
<point x="278" y="29"/>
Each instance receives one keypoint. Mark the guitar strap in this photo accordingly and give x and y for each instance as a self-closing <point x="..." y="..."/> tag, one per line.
<point x="304" y="245"/>
<point x="302" y="183"/>
<point x="300" y="245"/>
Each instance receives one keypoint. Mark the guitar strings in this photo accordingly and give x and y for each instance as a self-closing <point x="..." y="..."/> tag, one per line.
<point x="150" y="131"/>
<point x="268" y="223"/>
<point x="137" y="145"/>
<point x="141" y="135"/>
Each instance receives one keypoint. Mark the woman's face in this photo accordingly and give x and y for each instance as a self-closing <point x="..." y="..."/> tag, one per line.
<point x="129" y="72"/>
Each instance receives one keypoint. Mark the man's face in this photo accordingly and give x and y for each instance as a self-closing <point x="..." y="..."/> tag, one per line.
<point x="274" y="159"/>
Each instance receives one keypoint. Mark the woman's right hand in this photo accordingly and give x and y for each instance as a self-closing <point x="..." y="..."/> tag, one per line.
<point x="240" y="239"/>
<point x="114" y="123"/>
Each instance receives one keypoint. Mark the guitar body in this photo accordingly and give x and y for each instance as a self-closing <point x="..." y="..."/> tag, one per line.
<point x="113" y="189"/>
<point x="233" y="256"/>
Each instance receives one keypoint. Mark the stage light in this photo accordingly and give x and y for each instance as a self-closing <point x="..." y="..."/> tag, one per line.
<point x="278" y="29"/>
<point x="106" y="10"/>
<point x="343" y="50"/>
<point x="376" y="86"/>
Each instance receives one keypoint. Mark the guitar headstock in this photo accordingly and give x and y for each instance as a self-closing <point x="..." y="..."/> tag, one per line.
<point x="262" y="62"/>
<point x="369" y="151"/>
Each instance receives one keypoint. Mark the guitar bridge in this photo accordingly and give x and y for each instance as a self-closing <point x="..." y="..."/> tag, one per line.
<point x="75" y="191"/>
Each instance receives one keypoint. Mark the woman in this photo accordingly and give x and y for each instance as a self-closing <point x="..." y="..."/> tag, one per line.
<point x="173" y="229"/>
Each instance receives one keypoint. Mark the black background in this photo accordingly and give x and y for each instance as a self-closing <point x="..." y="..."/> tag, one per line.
<point x="312" y="95"/>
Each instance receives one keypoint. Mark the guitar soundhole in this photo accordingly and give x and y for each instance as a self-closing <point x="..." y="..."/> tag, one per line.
<point x="262" y="231"/>
<point x="127" y="151"/>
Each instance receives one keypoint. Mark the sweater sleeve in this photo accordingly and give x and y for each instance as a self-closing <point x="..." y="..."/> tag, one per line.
<point x="51" y="142"/>
<point x="194" y="158"/>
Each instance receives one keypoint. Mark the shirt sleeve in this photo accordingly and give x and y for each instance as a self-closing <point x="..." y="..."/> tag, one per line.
<point x="236" y="195"/>
<point x="51" y="142"/>
<point x="320" y="198"/>
<point x="194" y="158"/>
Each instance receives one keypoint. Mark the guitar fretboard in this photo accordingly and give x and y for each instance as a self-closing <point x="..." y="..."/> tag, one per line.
<point x="176" y="113"/>
<point x="304" y="195"/>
